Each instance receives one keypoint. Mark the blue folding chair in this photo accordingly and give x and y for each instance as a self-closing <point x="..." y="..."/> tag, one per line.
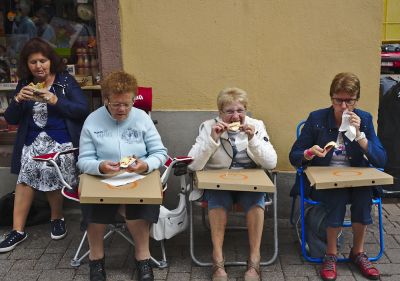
<point x="304" y="201"/>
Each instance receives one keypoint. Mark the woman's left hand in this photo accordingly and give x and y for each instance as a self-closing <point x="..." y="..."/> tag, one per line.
<point x="355" y="121"/>
<point x="249" y="130"/>
<point x="138" y="167"/>
<point x="47" y="96"/>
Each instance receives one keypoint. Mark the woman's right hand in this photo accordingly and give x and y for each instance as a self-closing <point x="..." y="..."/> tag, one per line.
<point x="26" y="93"/>
<point x="316" y="150"/>
<point x="218" y="129"/>
<point x="109" y="167"/>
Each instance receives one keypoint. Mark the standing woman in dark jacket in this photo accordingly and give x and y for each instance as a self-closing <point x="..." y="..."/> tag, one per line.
<point x="49" y="120"/>
<point x="321" y="127"/>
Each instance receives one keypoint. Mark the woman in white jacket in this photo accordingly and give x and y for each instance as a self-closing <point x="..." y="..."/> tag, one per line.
<point x="224" y="143"/>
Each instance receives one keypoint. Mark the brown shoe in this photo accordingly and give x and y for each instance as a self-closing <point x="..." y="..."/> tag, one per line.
<point x="215" y="267"/>
<point x="364" y="265"/>
<point x="256" y="267"/>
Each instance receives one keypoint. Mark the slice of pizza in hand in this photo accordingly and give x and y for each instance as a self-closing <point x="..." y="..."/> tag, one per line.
<point x="330" y="145"/>
<point x="126" y="161"/>
<point x="36" y="94"/>
<point x="234" y="126"/>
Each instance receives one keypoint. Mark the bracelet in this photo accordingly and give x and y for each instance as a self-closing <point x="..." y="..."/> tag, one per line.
<point x="308" y="154"/>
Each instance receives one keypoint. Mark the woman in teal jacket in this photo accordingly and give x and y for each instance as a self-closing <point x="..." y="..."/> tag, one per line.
<point x="110" y="133"/>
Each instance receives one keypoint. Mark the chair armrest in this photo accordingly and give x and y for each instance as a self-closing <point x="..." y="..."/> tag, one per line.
<point x="178" y="165"/>
<point x="52" y="156"/>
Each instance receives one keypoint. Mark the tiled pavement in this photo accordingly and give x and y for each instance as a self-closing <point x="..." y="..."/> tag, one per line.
<point x="40" y="258"/>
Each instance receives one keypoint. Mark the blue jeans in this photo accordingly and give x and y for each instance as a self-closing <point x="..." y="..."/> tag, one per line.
<point x="335" y="201"/>
<point x="225" y="199"/>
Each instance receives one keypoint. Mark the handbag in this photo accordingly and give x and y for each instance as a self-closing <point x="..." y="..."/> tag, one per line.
<point x="170" y="222"/>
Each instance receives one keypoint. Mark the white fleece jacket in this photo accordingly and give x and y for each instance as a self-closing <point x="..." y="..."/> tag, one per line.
<point x="209" y="155"/>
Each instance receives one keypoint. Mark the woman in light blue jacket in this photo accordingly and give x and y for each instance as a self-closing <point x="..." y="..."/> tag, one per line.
<point x="110" y="133"/>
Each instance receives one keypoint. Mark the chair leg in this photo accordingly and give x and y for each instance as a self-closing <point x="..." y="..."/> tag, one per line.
<point x="235" y="263"/>
<point x="76" y="260"/>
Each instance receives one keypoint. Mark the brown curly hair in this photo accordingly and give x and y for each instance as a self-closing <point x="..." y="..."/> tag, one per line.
<point x="34" y="46"/>
<point x="118" y="82"/>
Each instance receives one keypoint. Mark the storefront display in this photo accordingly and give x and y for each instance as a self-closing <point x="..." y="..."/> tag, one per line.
<point x="68" y="25"/>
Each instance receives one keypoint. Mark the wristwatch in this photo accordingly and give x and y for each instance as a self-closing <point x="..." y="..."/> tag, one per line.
<point x="360" y="137"/>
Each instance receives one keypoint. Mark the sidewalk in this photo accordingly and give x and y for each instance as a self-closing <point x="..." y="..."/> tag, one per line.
<point x="40" y="258"/>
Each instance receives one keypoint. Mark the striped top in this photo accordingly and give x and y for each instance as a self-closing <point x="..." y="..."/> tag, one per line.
<point x="240" y="159"/>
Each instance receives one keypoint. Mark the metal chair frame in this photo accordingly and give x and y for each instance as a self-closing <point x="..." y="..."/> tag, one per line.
<point x="178" y="164"/>
<point x="304" y="201"/>
<point x="198" y="262"/>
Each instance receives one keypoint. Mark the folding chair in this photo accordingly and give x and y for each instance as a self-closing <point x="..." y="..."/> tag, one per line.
<point x="304" y="201"/>
<point x="176" y="165"/>
<point x="236" y="208"/>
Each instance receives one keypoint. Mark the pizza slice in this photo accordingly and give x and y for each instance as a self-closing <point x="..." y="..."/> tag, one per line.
<point x="126" y="161"/>
<point x="330" y="145"/>
<point x="234" y="126"/>
<point x="36" y="94"/>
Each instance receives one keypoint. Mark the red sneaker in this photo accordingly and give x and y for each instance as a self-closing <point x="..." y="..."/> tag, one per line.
<point x="328" y="269"/>
<point x="366" y="267"/>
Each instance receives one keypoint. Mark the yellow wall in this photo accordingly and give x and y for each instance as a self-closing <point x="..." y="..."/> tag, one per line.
<point x="283" y="53"/>
<point x="391" y="21"/>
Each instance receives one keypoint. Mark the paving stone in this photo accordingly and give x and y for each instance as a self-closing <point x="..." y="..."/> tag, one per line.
<point x="23" y="275"/>
<point x="391" y="242"/>
<point x="299" y="270"/>
<point x="393" y="255"/>
<point x="21" y="253"/>
<point x="180" y="265"/>
<point x="23" y="264"/>
<point x="174" y="276"/>
<point x="48" y="261"/>
<point x="272" y="276"/>
<point x="290" y="278"/>
<point x="291" y="259"/>
<point x="389" y="269"/>
<point x="57" y="274"/>
<point x="390" y="278"/>
<point x="5" y="256"/>
<point x="5" y="265"/>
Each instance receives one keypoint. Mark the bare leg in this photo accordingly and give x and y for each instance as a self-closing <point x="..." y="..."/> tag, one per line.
<point x="140" y="231"/>
<point x="255" y="224"/>
<point x="358" y="237"/>
<point x="332" y="233"/>
<point x="218" y="220"/>
<point x="56" y="200"/>
<point x="24" y="195"/>
<point x="95" y="234"/>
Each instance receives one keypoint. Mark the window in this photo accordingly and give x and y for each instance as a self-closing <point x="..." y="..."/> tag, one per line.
<point x="68" y="25"/>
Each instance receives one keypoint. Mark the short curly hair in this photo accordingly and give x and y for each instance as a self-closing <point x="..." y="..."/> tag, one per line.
<point x="229" y="95"/>
<point x="118" y="82"/>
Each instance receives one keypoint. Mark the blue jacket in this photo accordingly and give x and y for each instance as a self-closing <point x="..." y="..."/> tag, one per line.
<point x="320" y="128"/>
<point x="104" y="138"/>
<point x="72" y="105"/>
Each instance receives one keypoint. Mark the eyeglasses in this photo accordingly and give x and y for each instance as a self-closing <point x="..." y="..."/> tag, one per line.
<point x="338" y="101"/>
<point x="116" y="105"/>
<point x="232" y="112"/>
